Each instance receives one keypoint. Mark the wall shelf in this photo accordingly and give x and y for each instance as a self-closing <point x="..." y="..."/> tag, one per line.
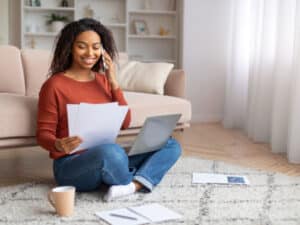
<point x="121" y="25"/>
<point x="49" y="34"/>
<point x="151" y="36"/>
<point x="34" y="8"/>
<point x="159" y="60"/>
<point x="154" y="12"/>
<point x="120" y="17"/>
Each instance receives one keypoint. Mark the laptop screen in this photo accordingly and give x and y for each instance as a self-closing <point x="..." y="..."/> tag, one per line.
<point x="154" y="133"/>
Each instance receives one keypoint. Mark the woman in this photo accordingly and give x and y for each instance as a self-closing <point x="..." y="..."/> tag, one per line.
<point x="82" y="49"/>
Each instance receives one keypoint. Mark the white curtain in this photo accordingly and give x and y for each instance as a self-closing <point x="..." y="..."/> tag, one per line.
<point x="263" y="76"/>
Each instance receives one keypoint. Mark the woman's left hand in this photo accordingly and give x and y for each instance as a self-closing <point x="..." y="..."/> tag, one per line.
<point x="110" y="71"/>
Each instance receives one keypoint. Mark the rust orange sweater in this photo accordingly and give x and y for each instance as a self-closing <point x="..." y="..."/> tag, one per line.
<point x="56" y="93"/>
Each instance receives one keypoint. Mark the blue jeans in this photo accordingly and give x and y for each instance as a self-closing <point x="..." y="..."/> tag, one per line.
<point x="109" y="164"/>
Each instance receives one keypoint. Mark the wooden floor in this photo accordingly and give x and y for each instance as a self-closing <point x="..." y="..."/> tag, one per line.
<point x="207" y="141"/>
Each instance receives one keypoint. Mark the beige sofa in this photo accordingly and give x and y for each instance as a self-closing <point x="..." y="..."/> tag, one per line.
<point x="22" y="73"/>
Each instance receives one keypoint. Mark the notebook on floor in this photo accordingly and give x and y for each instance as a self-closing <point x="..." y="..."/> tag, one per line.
<point x="149" y="213"/>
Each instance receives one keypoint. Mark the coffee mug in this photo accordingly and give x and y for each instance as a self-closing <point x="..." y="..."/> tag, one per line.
<point x="62" y="199"/>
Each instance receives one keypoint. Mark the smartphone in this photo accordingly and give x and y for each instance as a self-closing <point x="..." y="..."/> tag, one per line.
<point x="103" y="61"/>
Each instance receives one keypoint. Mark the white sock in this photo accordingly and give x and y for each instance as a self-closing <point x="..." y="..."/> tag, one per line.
<point x="116" y="191"/>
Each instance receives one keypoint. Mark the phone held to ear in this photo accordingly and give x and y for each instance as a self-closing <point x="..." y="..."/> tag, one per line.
<point x="105" y="67"/>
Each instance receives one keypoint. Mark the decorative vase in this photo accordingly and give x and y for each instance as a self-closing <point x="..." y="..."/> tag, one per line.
<point x="56" y="26"/>
<point x="89" y="12"/>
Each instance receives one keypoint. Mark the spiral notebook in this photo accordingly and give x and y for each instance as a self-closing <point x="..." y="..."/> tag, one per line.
<point x="149" y="213"/>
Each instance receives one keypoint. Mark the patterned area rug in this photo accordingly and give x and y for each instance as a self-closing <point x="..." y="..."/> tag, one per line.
<point x="270" y="199"/>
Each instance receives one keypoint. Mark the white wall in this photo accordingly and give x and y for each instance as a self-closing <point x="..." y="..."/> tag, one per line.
<point x="205" y="28"/>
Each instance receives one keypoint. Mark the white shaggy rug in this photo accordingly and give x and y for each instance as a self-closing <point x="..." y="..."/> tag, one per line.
<point x="270" y="199"/>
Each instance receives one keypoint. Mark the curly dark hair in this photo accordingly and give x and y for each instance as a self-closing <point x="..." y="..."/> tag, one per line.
<point x="62" y="58"/>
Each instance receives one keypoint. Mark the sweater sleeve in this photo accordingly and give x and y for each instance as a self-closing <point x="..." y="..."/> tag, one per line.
<point x="117" y="96"/>
<point x="47" y="117"/>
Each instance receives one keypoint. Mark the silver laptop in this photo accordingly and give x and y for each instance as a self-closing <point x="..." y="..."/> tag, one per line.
<point x="154" y="134"/>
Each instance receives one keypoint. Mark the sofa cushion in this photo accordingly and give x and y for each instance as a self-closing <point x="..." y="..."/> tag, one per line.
<point x="18" y="116"/>
<point x="36" y="65"/>
<point x="10" y="63"/>
<point x="143" y="105"/>
<point x="144" y="77"/>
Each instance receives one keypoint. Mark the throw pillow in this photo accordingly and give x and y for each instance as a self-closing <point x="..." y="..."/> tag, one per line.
<point x="144" y="77"/>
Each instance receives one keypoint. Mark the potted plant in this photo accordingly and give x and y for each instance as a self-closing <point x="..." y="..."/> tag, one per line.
<point x="56" y="21"/>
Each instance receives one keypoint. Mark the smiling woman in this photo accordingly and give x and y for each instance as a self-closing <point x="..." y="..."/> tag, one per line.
<point x="82" y="71"/>
<point x="86" y="52"/>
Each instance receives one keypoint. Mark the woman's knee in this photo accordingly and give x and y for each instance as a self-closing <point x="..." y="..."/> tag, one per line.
<point x="174" y="148"/>
<point x="115" y="169"/>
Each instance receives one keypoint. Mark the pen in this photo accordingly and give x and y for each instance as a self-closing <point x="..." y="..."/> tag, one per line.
<point x="122" y="216"/>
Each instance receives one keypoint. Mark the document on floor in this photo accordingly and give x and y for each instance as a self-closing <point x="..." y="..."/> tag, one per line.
<point x="215" y="178"/>
<point x="95" y="123"/>
<point x="149" y="213"/>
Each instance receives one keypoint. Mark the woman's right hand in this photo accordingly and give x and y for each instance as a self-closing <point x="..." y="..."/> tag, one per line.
<point x="67" y="144"/>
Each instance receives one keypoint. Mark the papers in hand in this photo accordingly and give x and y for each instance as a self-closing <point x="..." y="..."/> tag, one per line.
<point x="213" y="178"/>
<point x="138" y="215"/>
<point x="95" y="124"/>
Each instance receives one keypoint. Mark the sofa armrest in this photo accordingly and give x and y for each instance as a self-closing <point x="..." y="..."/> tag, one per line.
<point x="175" y="84"/>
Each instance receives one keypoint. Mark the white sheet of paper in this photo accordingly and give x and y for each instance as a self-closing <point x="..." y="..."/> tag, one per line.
<point x="156" y="212"/>
<point x="123" y="109"/>
<point x="72" y="110"/>
<point x="98" y="123"/>
<point x="106" y="216"/>
<point x="213" y="178"/>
